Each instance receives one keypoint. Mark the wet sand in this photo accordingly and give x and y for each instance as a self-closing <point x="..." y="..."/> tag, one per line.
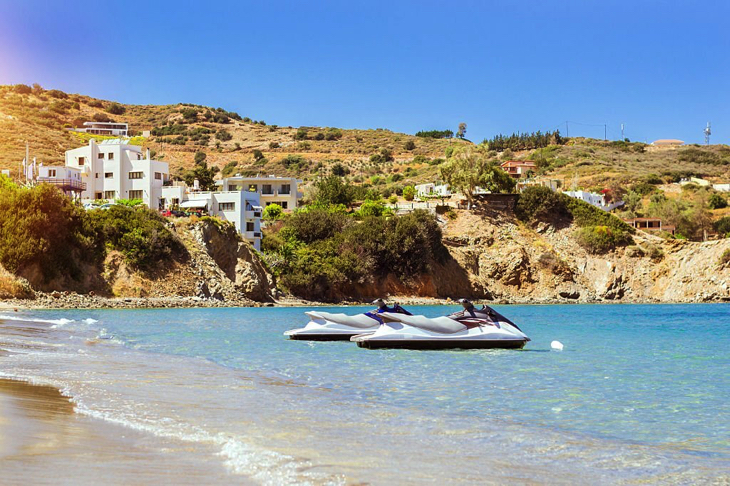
<point x="43" y="441"/>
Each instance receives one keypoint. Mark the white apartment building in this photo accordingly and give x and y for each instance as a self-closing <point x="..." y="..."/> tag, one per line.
<point x="597" y="200"/>
<point x="272" y="190"/>
<point x="112" y="169"/>
<point x="239" y="207"/>
<point x="112" y="129"/>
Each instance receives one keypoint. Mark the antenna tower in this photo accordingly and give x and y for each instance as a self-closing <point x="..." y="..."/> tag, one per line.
<point x="708" y="132"/>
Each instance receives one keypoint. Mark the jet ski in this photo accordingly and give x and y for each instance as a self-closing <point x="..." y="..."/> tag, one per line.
<point x="470" y="328"/>
<point x="326" y="326"/>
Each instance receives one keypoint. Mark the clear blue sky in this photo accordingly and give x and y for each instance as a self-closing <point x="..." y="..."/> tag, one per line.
<point x="662" y="68"/>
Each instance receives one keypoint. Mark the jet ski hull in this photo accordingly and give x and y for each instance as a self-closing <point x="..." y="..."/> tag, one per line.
<point x="325" y="326"/>
<point x="441" y="344"/>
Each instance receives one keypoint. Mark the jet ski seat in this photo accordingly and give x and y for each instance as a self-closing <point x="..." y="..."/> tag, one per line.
<point x="442" y="325"/>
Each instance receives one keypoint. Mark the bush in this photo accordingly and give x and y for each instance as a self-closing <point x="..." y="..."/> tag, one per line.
<point x="40" y="228"/>
<point x="115" y="109"/>
<point x="539" y="203"/>
<point x="725" y="257"/>
<point x="223" y="135"/>
<point x="139" y="234"/>
<point x="722" y="226"/>
<point x="716" y="201"/>
<point x="409" y="193"/>
<point x="373" y="208"/>
<point x="101" y="117"/>
<point x="229" y="168"/>
<point x="190" y="115"/>
<point x="257" y="155"/>
<point x="601" y="239"/>
<point x="95" y="103"/>
<point x="393" y="199"/>
<point x="22" y="89"/>
<point x="409" y="145"/>
<point x="317" y="224"/>
<point x="54" y="93"/>
<point x="339" y="170"/>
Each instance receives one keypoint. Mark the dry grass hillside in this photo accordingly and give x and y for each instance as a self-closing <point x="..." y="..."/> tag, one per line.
<point x="233" y="142"/>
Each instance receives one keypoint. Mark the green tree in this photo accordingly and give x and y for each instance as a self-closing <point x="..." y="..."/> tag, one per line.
<point x="200" y="157"/>
<point x="202" y="173"/>
<point x="468" y="168"/>
<point x="273" y="212"/>
<point x="409" y="192"/>
<point x="461" y="132"/>
<point x="333" y="190"/>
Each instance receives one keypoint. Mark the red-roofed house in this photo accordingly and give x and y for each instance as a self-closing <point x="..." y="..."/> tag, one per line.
<point x="519" y="168"/>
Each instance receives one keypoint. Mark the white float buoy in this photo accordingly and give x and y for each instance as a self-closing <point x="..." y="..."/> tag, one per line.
<point x="556" y="345"/>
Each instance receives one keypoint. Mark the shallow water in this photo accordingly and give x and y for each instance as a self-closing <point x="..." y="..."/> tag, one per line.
<point x="639" y="394"/>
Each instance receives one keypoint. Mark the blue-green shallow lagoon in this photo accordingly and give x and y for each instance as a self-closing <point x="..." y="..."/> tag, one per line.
<point x="639" y="393"/>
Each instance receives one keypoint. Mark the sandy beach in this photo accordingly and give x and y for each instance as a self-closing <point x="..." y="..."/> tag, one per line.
<point x="44" y="441"/>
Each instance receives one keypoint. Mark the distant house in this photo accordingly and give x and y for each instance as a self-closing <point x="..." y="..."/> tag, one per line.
<point x="110" y="129"/>
<point x="694" y="180"/>
<point x="597" y="200"/>
<point x="721" y="187"/>
<point x="668" y="143"/>
<point x="649" y="224"/>
<point x="519" y="169"/>
<point x="432" y="190"/>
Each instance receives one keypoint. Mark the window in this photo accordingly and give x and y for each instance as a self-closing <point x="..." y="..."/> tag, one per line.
<point x="100" y="156"/>
<point x="81" y="160"/>
<point x="285" y="189"/>
<point x="158" y="176"/>
<point x="228" y="206"/>
<point x="135" y="194"/>
<point x="111" y="156"/>
<point x="97" y="175"/>
<point x="161" y="204"/>
<point x="97" y="195"/>
<point x="108" y="175"/>
<point x="174" y="201"/>
<point x="266" y="189"/>
<point x="284" y="205"/>
<point x="232" y="187"/>
<point x="249" y="226"/>
<point x="51" y="173"/>
<point x="135" y="175"/>
<point x="110" y="194"/>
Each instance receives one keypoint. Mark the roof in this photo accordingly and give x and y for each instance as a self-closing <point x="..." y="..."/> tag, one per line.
<point x="518" y="163"/>
<point x="642" y="219"/>
<point x="668" y="141"/>
<point x="194" y="203"/>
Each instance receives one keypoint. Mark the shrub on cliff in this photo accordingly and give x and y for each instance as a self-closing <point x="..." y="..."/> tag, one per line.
<point x="538" y="203"/>
<point x="42" y="229"/>
<point x="601" y="239"/>
<point x="139" y="234"/>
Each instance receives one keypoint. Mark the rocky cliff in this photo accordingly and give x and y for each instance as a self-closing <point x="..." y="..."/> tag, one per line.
<point x="505" y="259"/>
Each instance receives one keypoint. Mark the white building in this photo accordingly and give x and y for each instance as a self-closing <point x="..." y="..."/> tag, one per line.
<point x="694" y="180"/>
<point x="239" y="207"/>
<point x="597" y="200"/>
<point x="112" y="169"/>
<point x="432" y="190"/>
<point x="111" y="129"/>
<point x="721" y="187"/>
<point x="272" y="190"/>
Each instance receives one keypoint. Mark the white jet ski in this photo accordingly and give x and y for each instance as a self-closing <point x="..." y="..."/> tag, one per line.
<point x="325" y="326"/>
<point x="468" y="329"/>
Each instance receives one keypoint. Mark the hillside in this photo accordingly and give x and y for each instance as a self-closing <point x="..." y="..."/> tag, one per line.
<point x="243" y="145"/>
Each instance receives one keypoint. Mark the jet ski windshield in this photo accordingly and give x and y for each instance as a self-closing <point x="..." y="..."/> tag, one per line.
<point x="486" y="313"/>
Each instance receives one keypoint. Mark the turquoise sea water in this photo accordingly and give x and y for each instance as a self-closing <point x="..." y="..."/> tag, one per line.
<point x="640" y="393"/>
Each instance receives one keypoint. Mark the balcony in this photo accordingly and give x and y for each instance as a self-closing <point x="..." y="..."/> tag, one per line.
<point x="252" y="235"/>
<point x="252" y="214"/>
<point x="64" y="184"/>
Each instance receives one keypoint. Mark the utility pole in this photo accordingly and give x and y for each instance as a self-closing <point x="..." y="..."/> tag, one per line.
<point x="567" y="130"/>
<point x="622" y="133"/>
<point x="604" y="132"/>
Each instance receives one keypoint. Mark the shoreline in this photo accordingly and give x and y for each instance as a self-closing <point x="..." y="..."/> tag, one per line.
<point x="57" y="300"/>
